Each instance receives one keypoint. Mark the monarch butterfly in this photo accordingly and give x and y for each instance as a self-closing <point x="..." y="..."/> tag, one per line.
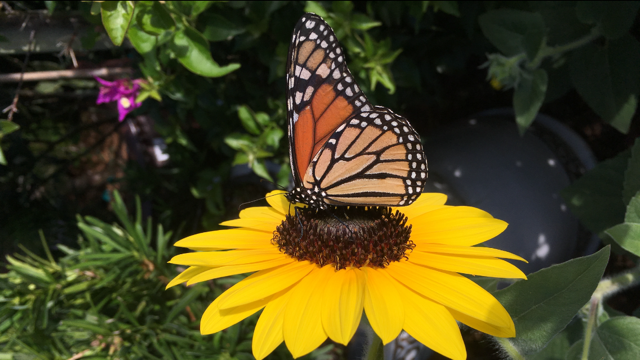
<point x="343" y="150"/>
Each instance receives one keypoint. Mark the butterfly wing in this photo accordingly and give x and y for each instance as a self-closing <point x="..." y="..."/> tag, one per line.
<point x="321" y="92"/>
<point x="375" y="158"/>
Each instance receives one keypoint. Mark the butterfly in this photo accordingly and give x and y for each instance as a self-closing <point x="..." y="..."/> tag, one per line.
<point x="343" y="150"/>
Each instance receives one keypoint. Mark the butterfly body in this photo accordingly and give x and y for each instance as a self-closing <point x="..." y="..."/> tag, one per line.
<point x="344" y="151"/>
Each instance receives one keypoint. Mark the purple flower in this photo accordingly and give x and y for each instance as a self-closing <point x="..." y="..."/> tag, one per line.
<point x="124" y="91"/>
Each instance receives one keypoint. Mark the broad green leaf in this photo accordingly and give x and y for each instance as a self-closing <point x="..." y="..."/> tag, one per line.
<point x="613" y="18"/>
<point x="632" y="175"/>
<point x="262" y="118"/>
<point x="116" y="17"/>
<point x="3" y="159"/>
<point x="7" y="127"/>
<point x="607" y="78"/>
<point x="218" y="28"/>
<point x="141" y="41"/>
<point x="260" y="169"/>
<point x="342" y="7"/>
<point x="627" y="234"/>
<point x="544" y="304"/>
<point x="513" y="31"/>
<point x="555" y="349"/>
<point x="316" y="8"/>
<point x="154" y="19"/>
<point x="616" y="339"/>
<point x="561" y="21"/>
<point x="575" y="352"/>
<point x="596" y="197"/>
<point x="95" y="8"/>
<point x="192" y="50"/>
<point x="363" y="22"/>
<point x="51" y="5"/>
<point x="247" y="120"/>
<point x="528" y="97"/>
<point x="272" y="137"/>
<point x="240" y="158"/>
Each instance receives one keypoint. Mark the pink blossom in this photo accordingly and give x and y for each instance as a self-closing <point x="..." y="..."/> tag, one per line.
<point x="124" y="91"/>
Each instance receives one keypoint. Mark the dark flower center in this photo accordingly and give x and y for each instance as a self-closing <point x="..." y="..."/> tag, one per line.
<point x="345" y="236"/>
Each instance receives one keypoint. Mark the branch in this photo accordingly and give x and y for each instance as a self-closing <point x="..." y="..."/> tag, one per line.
<point x="13" y="108"/>
<point x="64" y="74"/>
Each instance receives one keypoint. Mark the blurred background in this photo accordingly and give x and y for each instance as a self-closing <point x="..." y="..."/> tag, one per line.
<point x="515" y="102"/>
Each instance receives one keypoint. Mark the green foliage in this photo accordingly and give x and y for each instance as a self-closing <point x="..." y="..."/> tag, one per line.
<point x="544" y="304"/>
<point x="6" y="128"/>
<point x="546" y="35"/>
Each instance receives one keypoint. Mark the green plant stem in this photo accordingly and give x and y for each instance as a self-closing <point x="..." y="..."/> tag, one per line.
<point x="376" y="348"/>
<point x="506" y="345"/>
<point x="593" y="310"/>
<point x="554" y="51"/>
<point x="610" y="286"/>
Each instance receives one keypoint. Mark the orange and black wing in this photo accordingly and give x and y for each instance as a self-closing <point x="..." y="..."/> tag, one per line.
<point x="321" y="92"/>
<point x="375" y="158"/>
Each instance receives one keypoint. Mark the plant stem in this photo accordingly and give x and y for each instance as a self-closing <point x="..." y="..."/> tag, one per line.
<point x="376" y="348"/>
<point x="617" y="283"/>
<point x="548" y="51"/>
<point x="593" y="310"/>
<point x="506" y="345"/>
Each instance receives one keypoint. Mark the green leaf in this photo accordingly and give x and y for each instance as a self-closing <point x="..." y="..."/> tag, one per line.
<point x="51" y="5"/>
<point x="247" y="120"/>
<point x="555" y="349"/>
<point x="596" y="197"/>
<point x="3" y="159"/>
<point x="528" y="97"/>
<point x="607" y="78"/>
<point x="155" y="19"/>
<point x="116" y="17"/>
<point x="362" y="22"/>
<point x="192" y="50"/>
<point x="545" y="303"/>
<point x="632" y="175"/>
<point x="616" y="339"/>
<point x="627" y="234"/>
<point x="7" y="127"/>
<point x="95" y="8"/>
<point x="613" y="18"/>
<point x="272" y="137"/>
<point x="240" y="142"/>
<point x="218" y="28"/>
<point x="240" y="158"/>
<point x="83" y="324"/>
<point x="260" y="169"/>
<point x="141" y="41"/>
<point x="190" y="8"/>
<point x="316" y="8"/>
<point x="447" y="7"/>
<point x="342" y="7"/>
<point x="513" y="31"/>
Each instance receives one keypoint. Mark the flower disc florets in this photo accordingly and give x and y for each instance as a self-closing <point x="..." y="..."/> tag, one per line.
<point x="345" y="236"/>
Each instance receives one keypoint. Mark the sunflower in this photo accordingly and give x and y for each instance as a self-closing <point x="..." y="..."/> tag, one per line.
<point x="315" y="272"/>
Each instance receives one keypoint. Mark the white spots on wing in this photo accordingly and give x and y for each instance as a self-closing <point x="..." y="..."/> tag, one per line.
<point x="313" y="36"/>
<point x="358" y="103"/>
<point x="291" y="82"/>
<point x="339" y="58"/>
<point x="395" y="130"/>
<point x="324" y="44"/>
<point x="354" y="122"/>
<point x="295" y="117"/>
<point x="419" y="156"/>
<point x="308" y="93"/>
<point x="341" y="127"/>
<point x="409" y="146"/>
<point x="387" y="117"/>
<point x="336" y="74"/>
<point x="412" y="138"/>
<point x="298" y="97"/>
<point x="331" y="38"/>
<point x="348" y="92"/>
<point x="332" y="141"/>
<point x="323" y="71"/>
<point x="340" y="87"/>
<point x="413" y="174"/>
<point x="321" y="27"/>
<point x="362" y="98"/>
<point x="418" y="146"/>
<point x="310" y="24"/>
<point x="356" y="88"/>
<point x="551" y="162"/>
<point x="414" y="164"/>
<point x="406" y="129"/>
<point x="373" y="115"/>
<point x="377" y="122"/>
<point x="332" y="55"/>
<point x="305" y="74"/>
<point x="409" y="156"/>
<point x="338" y="51"/>
<point x="363" y="124"/>
<point x="408" y="182"/>
<point x="302" y="38"/>
<point x="423" y="166"/>
<point x="298" y="70"/>
<point x="366" y="108"/>
<point x="423" y="175"/>
<point x="394" y="123"/>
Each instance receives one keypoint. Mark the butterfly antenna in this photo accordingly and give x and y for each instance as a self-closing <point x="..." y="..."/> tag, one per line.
<point x="299" y="221"/>
<point x="252" y="201"/>
<point x="340" y="221"/>
<point x="274" y="183"/>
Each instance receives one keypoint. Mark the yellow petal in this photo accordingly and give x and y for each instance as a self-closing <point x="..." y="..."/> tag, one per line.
<point x="233" y="257"/>
<point x="215" y="319"/>
<point x="432" y="324"/>
<point x="186" y="275"/>
<point x="264" y="283"/>
<point x="482" y="266"/>
<point x="468" y="251"/>
<point x="343" y="303"/>
<point x="451" y="290"/>
<point x="303" y="331"/>
<point x="263" y="224"/>
<point x="228" y="239"/>
<point x="383" y="305"/>
<point x="508" y="331"/>
<point x="467" y="231"/>
<point x="263" y="213"/>
<point x="425" y="203"/>
<point x="280" y="203"/>
<point x="223" y="271"/>
<point x="268" y="333"/>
